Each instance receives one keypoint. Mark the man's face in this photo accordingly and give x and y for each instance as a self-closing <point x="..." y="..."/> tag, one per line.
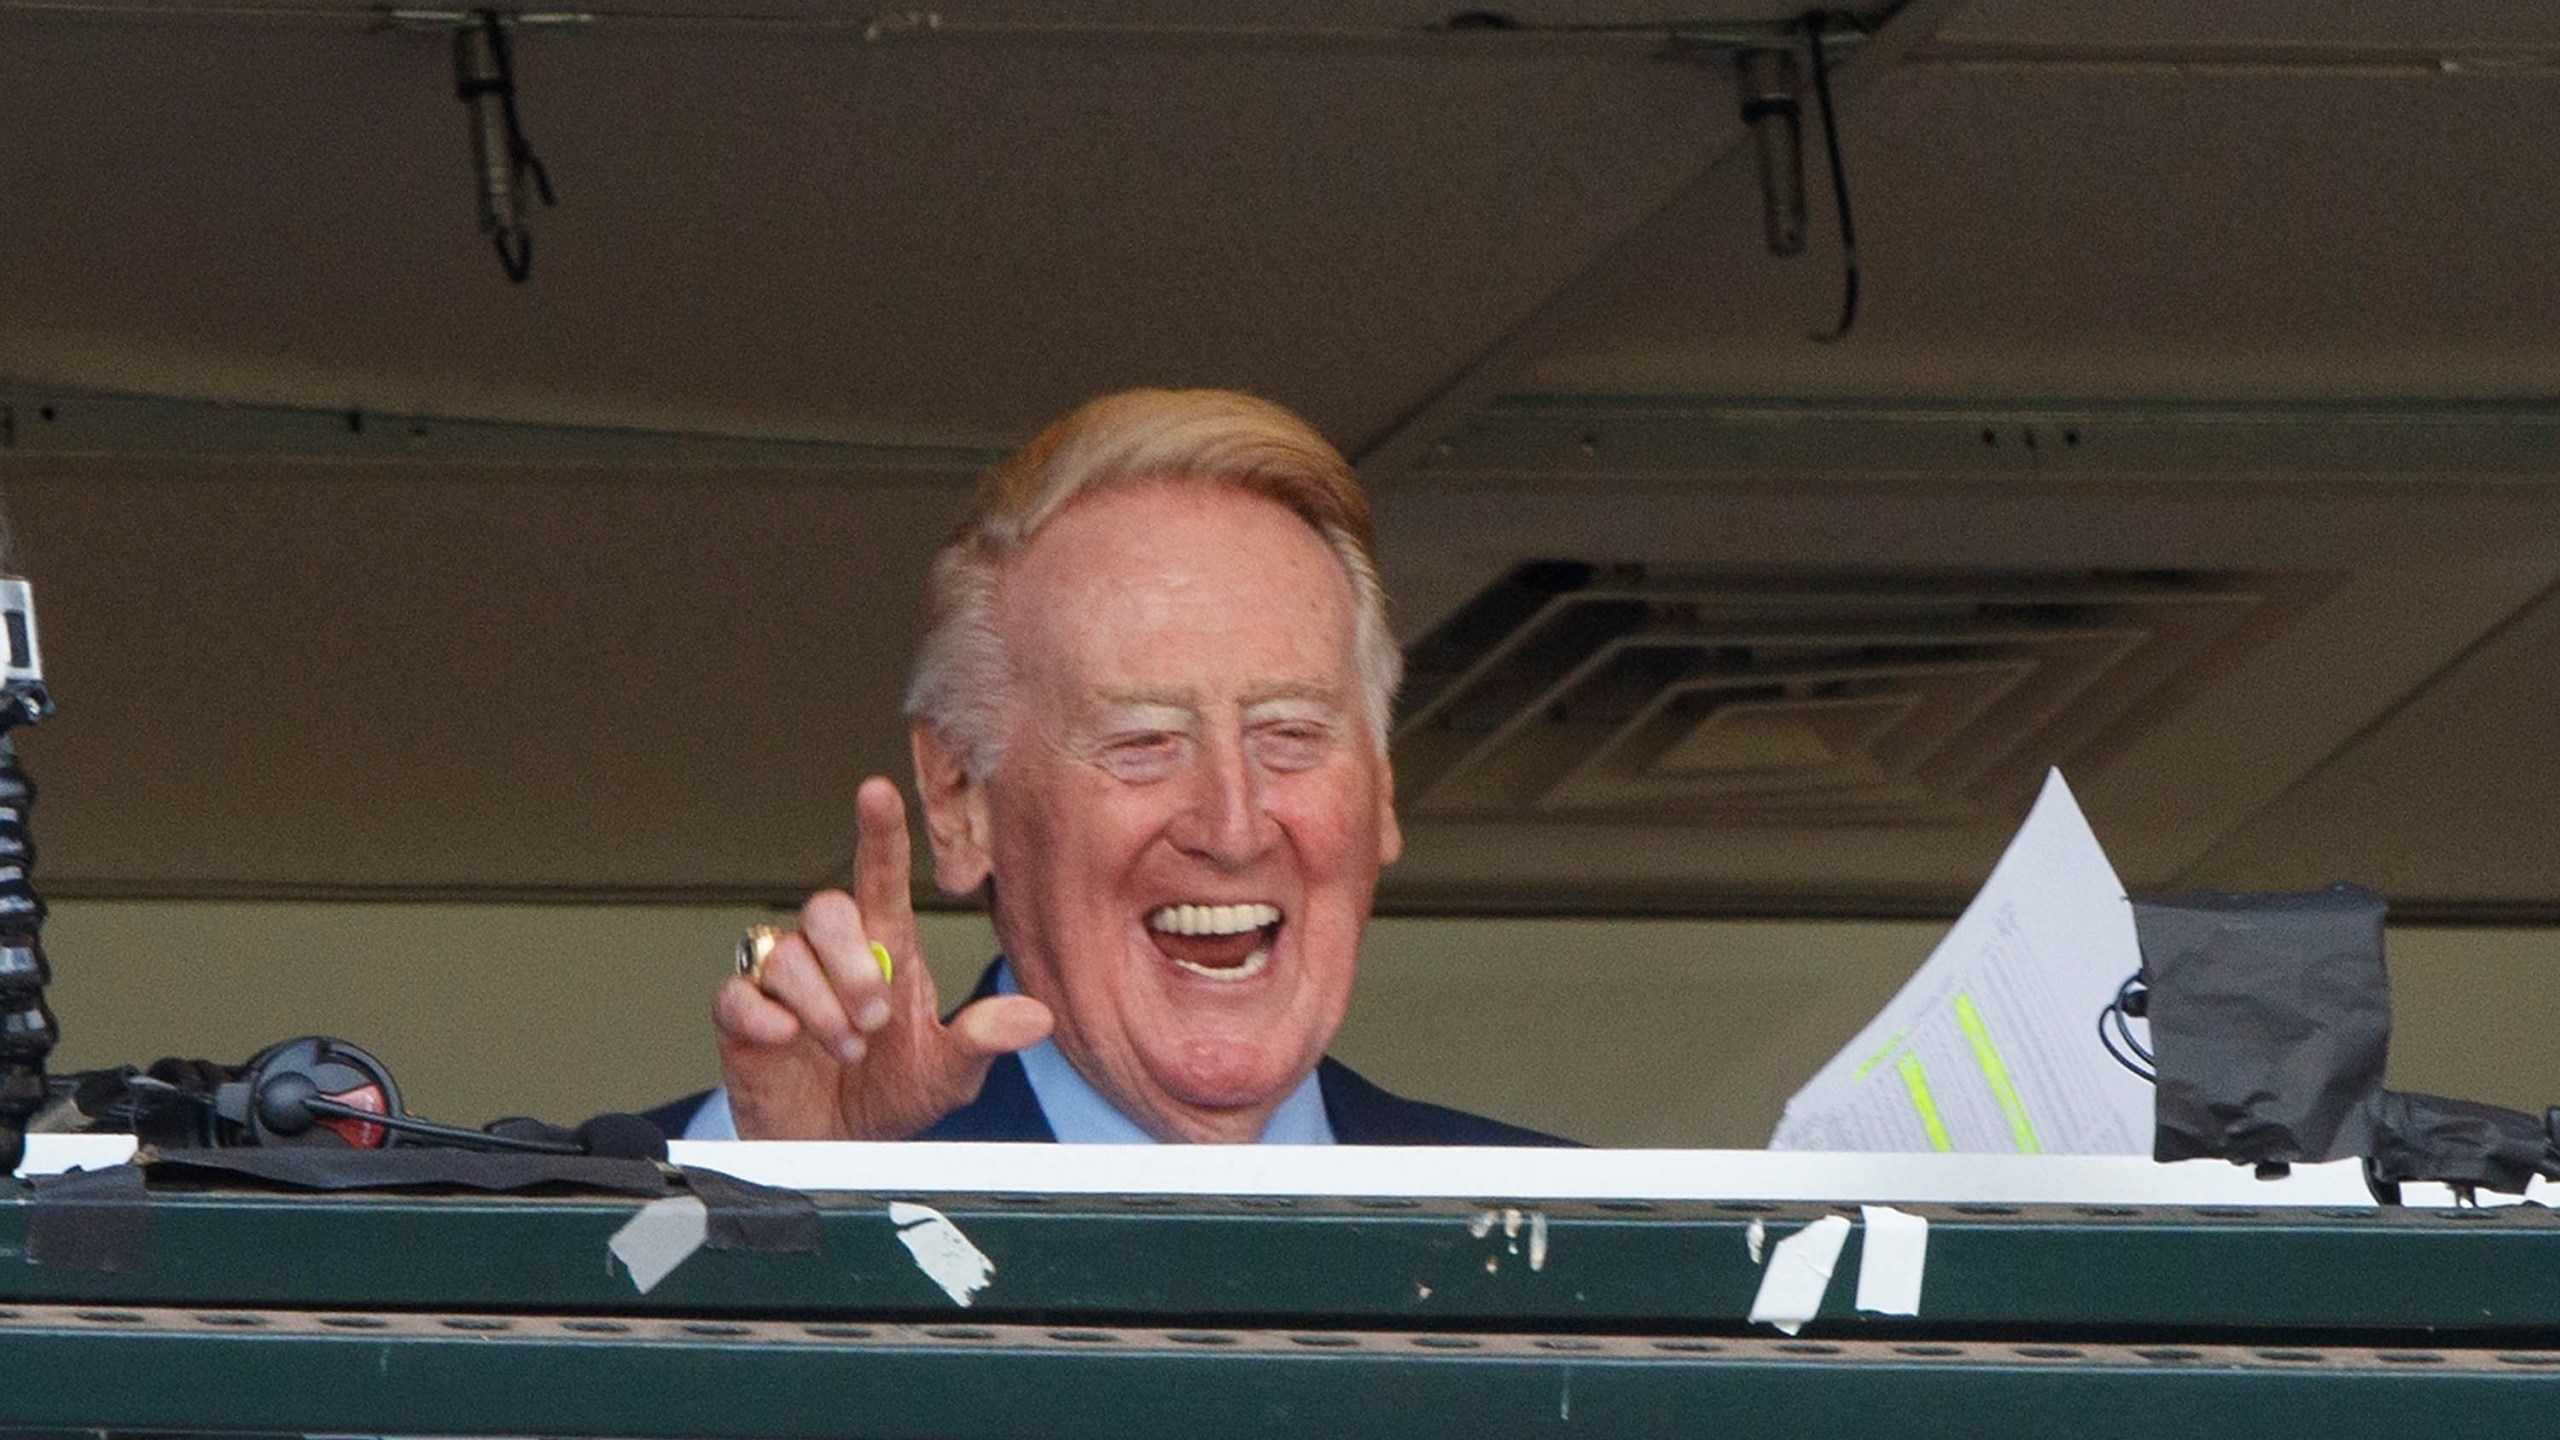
<point x="1189" y="812"/>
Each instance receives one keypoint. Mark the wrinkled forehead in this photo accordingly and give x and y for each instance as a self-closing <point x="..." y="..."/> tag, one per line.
<point x="1162" y="585"/>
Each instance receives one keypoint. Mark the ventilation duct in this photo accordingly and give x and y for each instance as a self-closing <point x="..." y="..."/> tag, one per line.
<point x="1570" y="690"/>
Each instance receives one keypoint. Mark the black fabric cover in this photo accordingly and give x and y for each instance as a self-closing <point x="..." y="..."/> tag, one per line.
<point x="2462" y="1142"/>
<point x="742" y="1215"/>
<point x="88" y="1219"/>
<point x="310" y="1167"/>
<point x="2270" y="1020"/>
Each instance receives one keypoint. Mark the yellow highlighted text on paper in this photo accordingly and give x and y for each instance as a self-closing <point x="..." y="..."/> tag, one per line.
<point x="2003" y="1089"/>
<point x="1916" y="1080"/>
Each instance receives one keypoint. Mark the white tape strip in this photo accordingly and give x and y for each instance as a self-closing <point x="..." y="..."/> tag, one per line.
<point x="1891" y="1257"/>
<point x="1799" y="1271"/>
<point x="661" y="1237"/>
<point x="942" y="1252"/>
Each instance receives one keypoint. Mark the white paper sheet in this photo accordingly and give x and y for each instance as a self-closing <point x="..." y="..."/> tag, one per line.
<point x="1992" y="1047"/>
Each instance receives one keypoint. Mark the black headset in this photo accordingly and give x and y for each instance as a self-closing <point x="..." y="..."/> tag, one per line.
<point x="316" y="1090"/>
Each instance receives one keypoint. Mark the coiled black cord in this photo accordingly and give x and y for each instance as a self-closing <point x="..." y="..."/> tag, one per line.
<point x="2115" y="1024"/>
<point x="27" y="1032"/>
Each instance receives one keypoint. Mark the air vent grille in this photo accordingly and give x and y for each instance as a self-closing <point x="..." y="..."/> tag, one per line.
<point x="1609" y="692"/>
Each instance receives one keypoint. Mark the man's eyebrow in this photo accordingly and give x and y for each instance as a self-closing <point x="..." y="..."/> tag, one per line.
<point x="1315" y="690"/>
<point x="1171" y="699"/>
<point x="1318" y="691"/>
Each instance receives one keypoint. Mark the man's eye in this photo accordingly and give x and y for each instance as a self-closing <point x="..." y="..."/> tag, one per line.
<point x="1147" y="756"/>
<point x="1297" y="745"/>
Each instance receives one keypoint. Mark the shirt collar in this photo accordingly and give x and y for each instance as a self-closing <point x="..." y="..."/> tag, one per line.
<point x="1079" y="1114"/>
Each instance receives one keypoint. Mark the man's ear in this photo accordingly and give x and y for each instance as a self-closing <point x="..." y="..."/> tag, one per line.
<point x="1390" y="834"/>
<point x="955" y="811"/>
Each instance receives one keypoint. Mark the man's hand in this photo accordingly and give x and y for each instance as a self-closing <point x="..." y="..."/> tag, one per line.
<point x="829" y="1051"/>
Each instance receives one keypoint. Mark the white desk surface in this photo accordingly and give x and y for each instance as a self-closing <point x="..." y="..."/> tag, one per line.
<point x="1424" y="1172"/>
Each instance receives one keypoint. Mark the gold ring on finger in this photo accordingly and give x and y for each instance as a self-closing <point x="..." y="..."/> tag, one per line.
<point x="755" y="948"/>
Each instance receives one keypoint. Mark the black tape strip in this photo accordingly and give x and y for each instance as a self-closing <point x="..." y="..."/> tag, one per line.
<point x="88" y="1220"/>
<point x="311" y="1167"/>
<point x="743" y="1215"/>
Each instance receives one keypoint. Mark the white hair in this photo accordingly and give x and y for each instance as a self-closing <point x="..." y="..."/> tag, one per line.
<point x="1208" y="437"/>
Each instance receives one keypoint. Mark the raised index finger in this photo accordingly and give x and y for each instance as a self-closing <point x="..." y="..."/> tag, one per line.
<point x="883" y="871"/>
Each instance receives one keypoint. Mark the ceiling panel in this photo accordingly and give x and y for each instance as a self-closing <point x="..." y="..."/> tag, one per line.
<point x="2293" y="24"/>
<point x="2158" y="232"/>
<point x="2454" y="796"/>
<point x="2404" y="577"/>
<point x="2165" y="289"/>
<point x="788" y="230"/>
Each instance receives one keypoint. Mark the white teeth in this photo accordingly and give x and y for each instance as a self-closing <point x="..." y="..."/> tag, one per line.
<point x="1213" y="919"/>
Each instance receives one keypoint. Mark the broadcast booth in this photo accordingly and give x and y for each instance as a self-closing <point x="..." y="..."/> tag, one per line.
<point x="281" y="1247"/>
<point x="1797" y="438"/>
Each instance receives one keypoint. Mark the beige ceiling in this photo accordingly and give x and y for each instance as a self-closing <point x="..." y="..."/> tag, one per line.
<point x="365" y="573"/>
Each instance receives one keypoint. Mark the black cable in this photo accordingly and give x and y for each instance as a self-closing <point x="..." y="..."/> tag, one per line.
<point x="1814" y="21"/>
<point x="2118" y="1011"/>
<point x="2133" y="1000"/>
<point x="404" y="1124"/>
<point x="2106" y="1037"/>
<point x="448" y="1134"/>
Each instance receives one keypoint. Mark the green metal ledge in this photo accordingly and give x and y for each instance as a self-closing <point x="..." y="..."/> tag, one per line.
<point x="2473" y="1276"/>
<point x="361" y="1373"/>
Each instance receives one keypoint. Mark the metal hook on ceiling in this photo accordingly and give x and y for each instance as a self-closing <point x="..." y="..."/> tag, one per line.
<point x="484" y="80"/>
<point x="1770" y="79"/>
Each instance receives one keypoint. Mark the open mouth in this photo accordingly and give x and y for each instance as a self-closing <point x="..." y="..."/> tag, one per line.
<point x="1221" y="942"/>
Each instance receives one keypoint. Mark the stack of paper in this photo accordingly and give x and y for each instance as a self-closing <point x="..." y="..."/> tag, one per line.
<point x="1993" y="1045"/>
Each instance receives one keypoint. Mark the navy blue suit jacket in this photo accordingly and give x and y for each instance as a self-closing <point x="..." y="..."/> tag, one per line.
<point x="1360" y="1113"/>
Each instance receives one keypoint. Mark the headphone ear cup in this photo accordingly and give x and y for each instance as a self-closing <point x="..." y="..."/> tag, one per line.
<point x="279" y="1079"/>
<point x="269" y="1053"/>
<point x="227" y="1123"/>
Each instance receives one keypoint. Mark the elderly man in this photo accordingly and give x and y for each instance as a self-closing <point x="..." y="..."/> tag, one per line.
<point x="1149" y="721"/>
